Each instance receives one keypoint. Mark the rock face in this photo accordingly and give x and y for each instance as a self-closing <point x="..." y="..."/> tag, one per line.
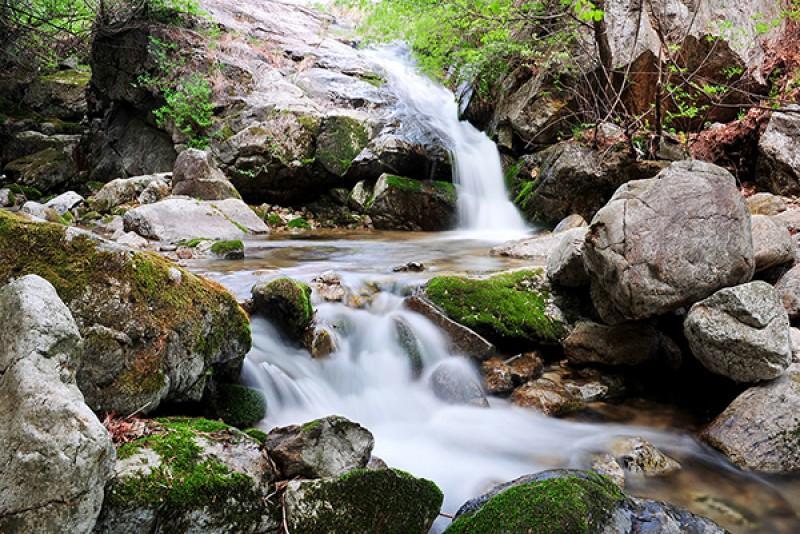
<point x="196" y="175"/>
<point x="788" y="288"/>
<point x="772" y="243"/>
<point x="779" y="154"/>
<point x="124" y="190"/>
<point x="151" y="330"/>
<point x="462" y="339"/>
<point x="759" y="430"/>
<point x="287" y="303"/>
<point x="326" y="447"/>
<point x="193" y="475"/>
<point x="363" y="501"/>
<point x="180" y="218"/>
<point x="741" y="332"/>
<point x="56" y="455"/>
<point x="656" y="246"/>
<point x="564" y="500"/>
<point x="399" y="203"/>
<point x="623" y="344"/>
<point x="565" y="266"/>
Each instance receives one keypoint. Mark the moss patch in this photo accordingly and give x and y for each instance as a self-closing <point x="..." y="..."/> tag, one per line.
<point x="508" y="309"/>
<point x="239" y="406"/>
<point x="341" y="140"/>
<point x="366" y="501"/>
<point x="571" y="505"/>
<point x="225" y="248"/>
<point x="404" y="184"/>
<point x="287" y="303"/>
<point x="298" y="223"/>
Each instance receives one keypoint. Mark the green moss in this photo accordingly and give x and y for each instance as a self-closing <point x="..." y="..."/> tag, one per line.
<point x="30" y="193"/>
<point x="287" y="303"/>
<point x="192" y="243"/>
<point x="222" y="248"/>
<point x="311" y="425"/>
<point x="568" y="504"/>
<point x="257" y="434"/>
<point x="404" y="184"/>
<point x="446" y="189"/>
<point x="368" y="501"/>
<point x="239" y="406"/>
<point x="507" y="308"/>
<point x="273" y="219"/>
<point x="91" y="216"/>
<point x="341" y="140"/>
<point x="298" y="223"/>
<point x="70" y="77"/>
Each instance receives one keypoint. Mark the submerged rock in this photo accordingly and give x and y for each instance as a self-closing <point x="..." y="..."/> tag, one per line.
<point x="56" y="455"/>
<point x="363" y="501"/>
<point x="760" y="428"/>
<point x="149" y="335"/>
<point x="454" y="381"/>
<point x="326" y="447"/>
<point x="639" y="456"/>
<point x="287" y="303"/>
<point x="559" y="501"/>
<point x="537" y="248"/>
<point x="193" y="475"/>
<point x="549" y="397"/>
<point x="741" y="332"/>
<point x="655" y="247"/>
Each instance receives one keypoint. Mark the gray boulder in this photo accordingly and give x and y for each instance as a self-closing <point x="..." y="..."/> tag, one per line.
<point x="779" y="153"/>
<point x="741" y="332"/>
<point x="124" y="190"/>
<point x="565" y="265"/>
<point x="65" y="202"/>
<point x="622" y="344"/>
<point x="657" y="245"/>
<point x="196" y="175"/>
<point x="326" y="447"/>
<point x="570" y="222"/>
<point x="177" y="219"/>
<point x="788" y="288"/>
<point x="56" y="456"/>
<point x="772" y="243"/>
<point x="759" y="430"/>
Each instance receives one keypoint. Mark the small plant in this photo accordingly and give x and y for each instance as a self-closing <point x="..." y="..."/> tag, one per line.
<point x="299" y="223"/>
<point x="190" y="109"/>
<point x="273" y="219"/>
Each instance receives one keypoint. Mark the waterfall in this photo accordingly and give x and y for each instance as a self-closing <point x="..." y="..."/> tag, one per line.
<point x="483" y="203"/>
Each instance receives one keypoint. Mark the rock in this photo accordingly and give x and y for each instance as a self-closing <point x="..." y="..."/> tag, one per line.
<point x="765" y="204"/>
<point x="329" y="287"/>
<point x="322" y="343"/>
<point x="778" y="148"/>
<point x="363" y="501"/>
<point x="655" y="247"/>
<point x="462" y="339"/>
<point x="408" y="342"/>
<point x="133" y="240"/>
<point x="741" y="332"/>
<point x="147" y="338"/>
<point x="123" y="191"/>
<point x="639" y="456"/>
<point x="502" y="376"/>
<point x="359" y="196"/>
<point x="574" y="179"/>
<point x="772" y="243"/>
<point x="547" y="397"/>
<point x="570" y="222"/>
<point x="566" y="500"/>
<point x="196" y="175"/>
<point x="410" y="267"/>
<point x="538" y="248"/>
<point x="565" y="265"/>
<point x="48" y="170"/>
<point x="40" y="211"/>
<point x="399" y="203"/>
<point x="454" y="381"/>
<point x="794" y="338"/>
<point x="759" y="430"/>
<point x="25" y="143"/>
<point x="788" y="288"/>
<point x="790" y="219"/>
<point x="155" y="191"/>
<point x="65" y="202"/>
<point x="238" y="405"/>
<point x="287" y="303"/>
<point x="622" y="344"/>
<point x="508" y="309"/>
<point x="60" y="95"/>
<point x="7" y="198"/>
<point x="326" y="447"/>
<point x="228" y="250"/>
<point x="56" y="455"/>
<point x="341" y="140"/>
<point x="181" y="219"/>
<point x="607" y="465"/>
<point x="589" y="392"/>
<point x="193" y="475"/>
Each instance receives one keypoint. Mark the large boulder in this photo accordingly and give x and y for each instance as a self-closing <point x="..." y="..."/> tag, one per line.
<point x="196" y="175"/>
<point x="741" y="332"/>
<point x="194" y="475"/>
<point x="399" y="203"/>
<point x="509" y="309"/>
<point x="788" y="288"/>
<point x="772" y="243"/>
<point x="559" y="501"/>
<point x="48" y="170"/>
<point x="462" y="339"/>
<point x="759" y="430"/>
<point x="124" y="190"/>
<point x="363" y="501"/>
<point x="152" y="331"/>
<point x="56" y="455"/>
<point x="61" y="94"/>
<point x="178" y="219"/>
<point x="326" y="447"/>
<point x="657" y="245"/>
<point x="779" y="153"/>
<point x="622" y="344"/>
<point x="287" y="303"/>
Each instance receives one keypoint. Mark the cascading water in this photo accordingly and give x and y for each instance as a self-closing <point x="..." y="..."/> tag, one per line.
<point x="483" y="204"/>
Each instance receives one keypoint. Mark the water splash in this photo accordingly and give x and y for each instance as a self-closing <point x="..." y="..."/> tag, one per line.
<point x="483" y="204"/>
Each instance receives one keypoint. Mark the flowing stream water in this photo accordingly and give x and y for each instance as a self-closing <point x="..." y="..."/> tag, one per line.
<point x="370" y="378"/>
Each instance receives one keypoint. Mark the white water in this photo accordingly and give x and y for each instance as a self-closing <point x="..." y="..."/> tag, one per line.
<point x="483" y="204"/>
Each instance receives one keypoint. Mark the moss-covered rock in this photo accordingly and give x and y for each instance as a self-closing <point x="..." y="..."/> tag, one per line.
<point x="510" y="309"/>
<point x="47" y="170"/>
<point x="399" y="203"/>
<point x="287" y="303"/>
<point x="152" y="330"/>
<point x="363" y="501"/>
<point x="189" y="473"/>
<point x="239" y="406"/>
<point x="340" y="140"/>
<point x="229" y="250"/>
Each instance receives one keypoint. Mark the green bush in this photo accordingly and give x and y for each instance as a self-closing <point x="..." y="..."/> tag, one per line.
<point x="188" y="106"/>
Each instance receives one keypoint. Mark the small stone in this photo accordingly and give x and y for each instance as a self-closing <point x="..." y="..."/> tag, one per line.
<point x="184" y="253"/>
<point x="607" y="465"/>
<point x="546" y="396"/>
<point x="412" y="266"/>
<point x="132" y="239"/>
<point x="639" y="456"/>
<point x="590" y="392"/>
<point x="175" y="275"/>
<point x="765" y="204"/>
<point x="322" y="343"/>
